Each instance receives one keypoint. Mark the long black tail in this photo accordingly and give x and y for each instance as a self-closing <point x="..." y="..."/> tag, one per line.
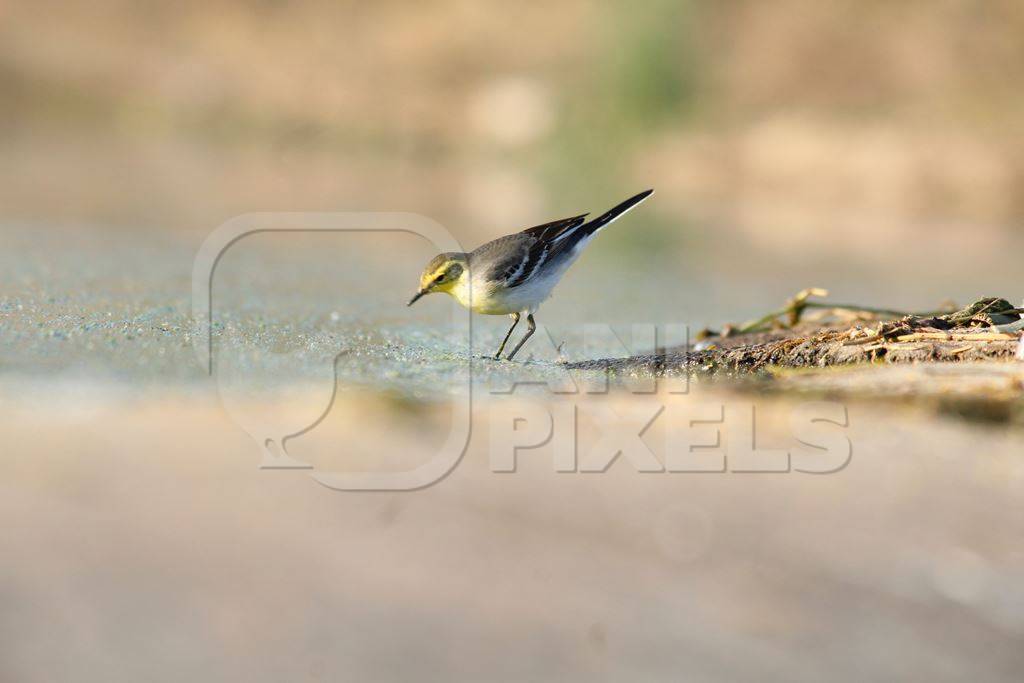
<point x="610" y="215"/>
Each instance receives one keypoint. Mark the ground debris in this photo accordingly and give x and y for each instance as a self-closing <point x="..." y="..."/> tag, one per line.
<point x="987" y="330"/>
<point x="959" y="363"/>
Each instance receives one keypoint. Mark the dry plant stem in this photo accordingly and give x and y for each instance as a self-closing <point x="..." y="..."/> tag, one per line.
<point x="767" y="321"/>
<point x="876" y="311"/>
<point x="953" y="336"/>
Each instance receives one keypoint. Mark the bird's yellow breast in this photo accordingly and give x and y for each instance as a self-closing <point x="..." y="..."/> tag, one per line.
<point x="483" y="300"/>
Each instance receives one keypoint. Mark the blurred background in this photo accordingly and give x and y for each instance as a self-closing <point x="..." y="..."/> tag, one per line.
<point x="874" y="148"/>
<point x="867" y="146"/>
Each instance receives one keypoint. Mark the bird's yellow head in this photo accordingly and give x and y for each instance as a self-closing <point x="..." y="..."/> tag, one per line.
<point x="442" y="274"/>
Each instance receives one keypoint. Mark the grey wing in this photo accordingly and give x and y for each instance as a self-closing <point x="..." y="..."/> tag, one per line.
<point x="550" y="241"/>
<point x="503" y="259"/>
<point x="513" y="259"/>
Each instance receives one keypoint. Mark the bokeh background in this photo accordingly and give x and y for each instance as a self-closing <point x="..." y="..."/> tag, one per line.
<point x="871" y="147"/>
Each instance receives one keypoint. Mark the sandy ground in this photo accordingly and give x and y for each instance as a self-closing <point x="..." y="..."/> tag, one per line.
<point x="141" y="542"/>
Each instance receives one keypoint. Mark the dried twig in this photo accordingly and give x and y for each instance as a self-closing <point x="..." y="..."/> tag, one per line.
<point x="956" y="336"/>
<point x="796" y="306"/>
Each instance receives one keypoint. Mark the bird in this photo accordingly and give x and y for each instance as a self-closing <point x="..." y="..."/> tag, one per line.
<point x="513" y="275"/>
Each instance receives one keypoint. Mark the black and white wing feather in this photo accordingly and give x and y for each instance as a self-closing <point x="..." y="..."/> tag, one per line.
<point x="548" y="241"/>
<point x="514" y="259"/>
<point x="558" y="239"/>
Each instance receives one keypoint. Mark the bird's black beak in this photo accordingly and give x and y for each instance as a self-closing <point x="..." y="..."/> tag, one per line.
<point x="416" y="298"/>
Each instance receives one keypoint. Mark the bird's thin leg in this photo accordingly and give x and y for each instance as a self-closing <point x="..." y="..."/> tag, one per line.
<point x="531" y="327"/>
<point x="515" y="321"/>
